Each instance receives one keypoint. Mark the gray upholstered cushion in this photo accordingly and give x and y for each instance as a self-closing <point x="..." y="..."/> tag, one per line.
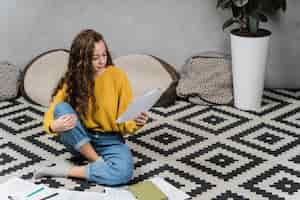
<point x="206" y="79"/>
<point x="9" y="76"/>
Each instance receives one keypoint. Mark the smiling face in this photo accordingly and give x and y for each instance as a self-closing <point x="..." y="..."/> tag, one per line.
<point x="99" y="59"/>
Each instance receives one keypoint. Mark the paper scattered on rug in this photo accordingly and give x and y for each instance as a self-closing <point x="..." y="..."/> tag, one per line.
<point x="19" y="189"/>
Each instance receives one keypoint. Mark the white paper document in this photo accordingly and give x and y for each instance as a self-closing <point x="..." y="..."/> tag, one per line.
<point x="109" y="194"/>
<point x="19" y="189"/>
<point x="140" y="104"/>
<point x="170" y="191"/>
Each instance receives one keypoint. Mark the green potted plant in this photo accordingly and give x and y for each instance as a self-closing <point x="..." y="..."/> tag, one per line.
<point x="249" y="47"/>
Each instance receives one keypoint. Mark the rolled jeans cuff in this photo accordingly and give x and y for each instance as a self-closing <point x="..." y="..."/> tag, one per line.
<point x="80" y="143"/>
<point x="87" y="172"/>
<point x="88" y="168"/>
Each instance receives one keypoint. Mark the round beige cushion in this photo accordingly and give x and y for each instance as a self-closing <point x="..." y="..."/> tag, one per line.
<point x="147" y="72"/>
<point x="42" y="74"/>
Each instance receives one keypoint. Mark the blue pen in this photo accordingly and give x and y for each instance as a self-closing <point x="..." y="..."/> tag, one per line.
<point x="36" y="191"/>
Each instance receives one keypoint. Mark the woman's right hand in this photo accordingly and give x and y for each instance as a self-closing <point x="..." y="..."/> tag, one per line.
<point x="64" y="123"/>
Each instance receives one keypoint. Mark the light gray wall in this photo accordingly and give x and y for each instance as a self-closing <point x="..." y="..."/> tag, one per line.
<point x="170" y="29"/>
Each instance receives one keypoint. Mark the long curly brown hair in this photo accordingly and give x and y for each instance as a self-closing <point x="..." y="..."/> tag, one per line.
<point x="79" y="77"/>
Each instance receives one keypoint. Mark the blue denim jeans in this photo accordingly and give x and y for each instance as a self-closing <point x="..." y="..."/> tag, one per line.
<point x="115" y="168"/>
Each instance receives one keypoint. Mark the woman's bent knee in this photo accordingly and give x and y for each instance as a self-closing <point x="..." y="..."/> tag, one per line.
<point x="62" y="109"/>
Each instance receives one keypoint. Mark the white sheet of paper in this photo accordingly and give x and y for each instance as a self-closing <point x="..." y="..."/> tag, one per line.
<point x="19" y="188"/>
<point x="109" y="194"/>
<point x="119" y="193"/>
<point x="140" y="104"/>
<point x="170" y="191"/>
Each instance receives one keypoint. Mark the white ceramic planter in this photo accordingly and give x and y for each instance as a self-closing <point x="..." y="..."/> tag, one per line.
<point x="249" y="59"/>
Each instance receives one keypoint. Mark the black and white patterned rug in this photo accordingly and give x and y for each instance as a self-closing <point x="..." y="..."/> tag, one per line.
<point x="210" y="152"/>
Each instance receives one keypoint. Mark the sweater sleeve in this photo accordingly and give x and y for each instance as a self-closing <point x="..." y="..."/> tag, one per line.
<point x="125" y="98"/>
<point x="48" y="116"/>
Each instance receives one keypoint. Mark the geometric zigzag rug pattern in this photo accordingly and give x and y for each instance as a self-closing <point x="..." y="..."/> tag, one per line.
<point x="209" y="152"/>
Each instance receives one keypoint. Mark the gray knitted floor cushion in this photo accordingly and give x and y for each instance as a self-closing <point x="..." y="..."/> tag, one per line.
<point x="206" y="79"/>
<point x="9" y="81"/>
<point x="146" y="72"/>
<point x="42" y="74"/>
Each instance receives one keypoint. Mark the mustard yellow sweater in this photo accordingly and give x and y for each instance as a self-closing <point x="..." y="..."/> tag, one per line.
<point x="113" y="93"/>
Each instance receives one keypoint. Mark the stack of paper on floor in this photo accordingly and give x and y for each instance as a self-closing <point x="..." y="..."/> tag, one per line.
<point x="20" y="189"/>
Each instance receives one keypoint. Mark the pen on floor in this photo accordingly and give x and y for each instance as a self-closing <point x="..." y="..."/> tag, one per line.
<point x="13" y="198"/>
<point x="50" y="196"/>
<point x="34" y="192"/>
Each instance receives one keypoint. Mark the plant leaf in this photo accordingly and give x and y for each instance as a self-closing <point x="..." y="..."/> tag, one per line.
<point x="279" y="4"/>
<point x="253" y="23"/>
<point x="240" y="3"/>
<point x="271" y="6"/>
<point x="226" y="4"/>
<point x="219" y="2"/>
<point x="236" y="11"/>
<point x="262" y="17"/>
<point x="223" y="3"/>
<point x="229" y="22"/>
<point x="283" y="5"/>
<point x="252" y="6"/>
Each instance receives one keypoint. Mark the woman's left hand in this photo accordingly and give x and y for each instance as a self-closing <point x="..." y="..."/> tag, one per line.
<point x="142" y="119"/>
